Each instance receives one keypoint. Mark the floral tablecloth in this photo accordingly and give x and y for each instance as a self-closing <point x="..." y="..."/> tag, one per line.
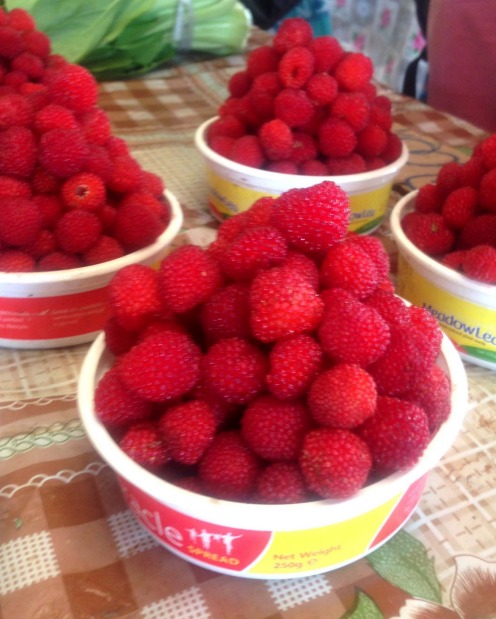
<point x="70" y="548"/>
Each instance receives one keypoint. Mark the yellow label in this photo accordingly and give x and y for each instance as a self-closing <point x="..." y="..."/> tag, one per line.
<point x="471" y="327"/>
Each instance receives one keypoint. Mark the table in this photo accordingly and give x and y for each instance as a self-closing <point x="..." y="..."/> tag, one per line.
<point x="70" y="549"/>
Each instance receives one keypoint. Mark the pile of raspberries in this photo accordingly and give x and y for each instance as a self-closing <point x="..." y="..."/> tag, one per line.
<point x="305" y="106"/>
<point x="72" y="195"/>
<point x="454" y="218"/>
<point x="275" y="365"/>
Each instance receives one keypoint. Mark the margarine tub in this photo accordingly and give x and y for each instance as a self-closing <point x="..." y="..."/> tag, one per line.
<point x="233" y="187"/>
<point x="464" y="308"/>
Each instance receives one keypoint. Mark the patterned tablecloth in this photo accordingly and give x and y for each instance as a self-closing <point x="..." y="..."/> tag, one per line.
<point x="69" y="547"/>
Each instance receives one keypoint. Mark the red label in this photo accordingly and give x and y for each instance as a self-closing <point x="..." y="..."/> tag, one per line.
<point x="53" y="317"/>
<point x="223" y="547"/>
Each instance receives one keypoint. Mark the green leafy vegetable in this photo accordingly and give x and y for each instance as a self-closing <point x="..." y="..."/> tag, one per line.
<point x="364" y="609"/>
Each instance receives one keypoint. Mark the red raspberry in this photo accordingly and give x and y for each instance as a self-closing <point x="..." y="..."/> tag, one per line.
<point x="17" y="151"/>
<point x="50" y="207"/>
<point x="73" y="86"/>
<point x="459" y="207"/>
<point x="487" y="191"/>
<point x="293" y="364"/>
<point x="58" y="261"/>
<point x="126" y="174"/>
<point x="313" y="167"/>
<point x="136" y="225"/>
<point x="14" y="187"/>
<point x="20" y="221"/>
<point x="116" y="147"/>
<point x="348" y="266"/>
<point x="115" y="405"/>
<point x="153" y="183"/>
<point x="262" y="59"/>
<point x="134" y="296"/>
<point x="267" y="83"/>
<point x="479" y="263"/>
<point x="454" y="259"/>
<point x="376" y="251"/>
<point x="63" y="152"/>
<point x="30" y="65"/>
<point x="83" y="190"/>
<point x="351" y="331"/>
<point x="449" y="177"/>
<point x="282" y="167"/>
<point x="433" y="394"/>
<point x="428" y="232"/>
<point x="422" y="320"/>
<point x="390" y="307"/>
<point x="354" y="71"/>
<point x="37" y="43"/>
<point x="293" y="32"/>
<point x="143" y="444"/>
<point x="222" y="145"/>
<point x="105" y="249"/>
<point x="487" y="150"/>
<point x="260" y="213"/>
<point x="283" y="302"/>
<point x="281" y="483"/>
<point x="428" y="199"/>
<point x="352" y="164"/>
<point x="343" y="396"/>
<point x="228" y="126"/>
<point x="312" y="219"/>
<point x="472" y="171"/>
<point x="117" y="339"/>
<point x="229" y="469"/>
<point x="162" y="367"/>
<point x="397" y="434"/>
<point x="95" y="125"/>
<point x="273" y="429"/>
<point x="381" y="116"/>
<point x="16" y="261"/>
<point x="393" y="149"/>
<point x="235" y="370"/>
<point x="54" y="117"/>
<point x="187" y="277"/>
<point x="327" y="52"/>
<point x="371" y="142"/>
<point x="353" y="107"/>
<point x="20" y="19"/>
<point x="293" y="106"/>
<point x="239" y="83"/>
<point x="226" y="313"/>
<point x="247" y="151"/>
<point x="11" y="43"/>
<point x="304" y="147"/>
<point x="336" y="138"/>
<point x="187" y="429"/>
<point x="481" y="230"/>
<point x="305" y="265"/>
<point x="76" y="231"/>
<point x="276" y="139"/>
<point x="15" y="110"/>
<point x="322" y="88"/>
<point x="335" y="463"/>
<point x="44" y="181"/>
<point x="14" y="79"/>
<point x="296" y="67"/>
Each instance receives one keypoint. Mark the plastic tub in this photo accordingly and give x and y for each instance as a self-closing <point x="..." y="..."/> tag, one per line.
<point x="464" y="308"/>
<point x="69" y="307"/>
<point x="268" y="541"/>
<point x="234" y="187"/>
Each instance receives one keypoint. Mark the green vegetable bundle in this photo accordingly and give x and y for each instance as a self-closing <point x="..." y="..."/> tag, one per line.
<point x="116" y="39"/>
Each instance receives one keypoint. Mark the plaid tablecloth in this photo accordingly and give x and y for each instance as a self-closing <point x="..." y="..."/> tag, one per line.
<point x="70" y="548"/>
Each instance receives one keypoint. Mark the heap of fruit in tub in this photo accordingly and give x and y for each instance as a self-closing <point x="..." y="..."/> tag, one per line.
<point x="454" y="218"/>
<point x="72" y="194"/>
<point x="302" y="105"/>
<point x="276" y="364"/>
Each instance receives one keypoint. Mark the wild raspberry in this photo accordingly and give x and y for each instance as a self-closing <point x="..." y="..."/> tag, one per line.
<point x="136" y="226"/>
<point x="354" y="71"/>
<point x="481" y="230"/>
<point x="58" y="261"/>
<point x="313" y="167"/>
<point x="76" y="231"/>
<point x="371" y="141"/>
<point x="352" y="107"/>
<point x="304" y="265"/>
<point x="376" y="251"/>
<point x="62" y="152"/>
<point x="17" y="151"/>
<point x="304" y="147"/>
<point x="43" y="244"/>
<point x="11" y="43"/>
<point x="239" y="83"/>
<point x="16" y="261"/>
<point x="187" y="277"/>
<point x="280" y="483"/>
<point x="276" y="139"/>
<point x="336" y="138"/>
<point x="54" y="117"/>
<point x="352" y="164"/>
<point x="15" y="187"/>
<point x="235" y="370"/>
<point x="397" y="434"/>
<point x="225" y="313"/>
<point x="322" y="88"/>
<point x="15" y="110"/>
<point x="29" y="64"/>
<point x="449" y="177"/>
<point x="422" y="320"/>
<point x="187" y="429"/>
<point x="143" y="444"/>
<point x="95" y="125"/>
<point x="327" y="52"/>
<point x="37" y="42"/>
<point x="20" y="221"/>
<point x="105" y="249"/>
<point x="390" y="307"/>
<point x="293" y="106"/>
<point x="247" y="151"/>
<point x="428" y="232"/>
<point x="293" y="31"/>
<point x="260" y="213"/>
<point x="83" y="190"/>
<point x="262" y="59"/>
<point x="73" y="86"/>
<point x="285" y="166"/>
<point x="487" y="190"/>
<point x="99" y="162"/>
<point x="381" y="116"/>
<point x="126" y="174"/>
<point x="273" y="429"/>
<point x="479" y="263"/>
<point x="428" y="199"/>
<point x="222" y="144"/>
<point x="20" y="20"/>
<point x="454" y="259"/>
<point x="229" y="126"/>
<point x="296" y="67"/>
<point x="335" y="463"/>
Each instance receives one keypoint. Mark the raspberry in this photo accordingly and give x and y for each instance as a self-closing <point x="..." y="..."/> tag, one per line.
<point x="63" y="152"/>
<point x="382" y="117"/>
<point x="312" y="219"/>
<point x="353" y="107"/>
<point x="247" y="151"/>
<point x="153" y="183"/>
<point x="393" y="149"/>
<point x="376" y="251"/>
<point x="348" y="266"/>
<point x="99" y="163"/>
<point x="20" y="19"/>
<point x="14" y="79"/>
<point x="143" y="444"/>
<point x="433" y="394"/>
<point x="276" y="139"/>
<point x="229" y="469"/>
<point x="293" y="364"/>
<point x="43" y="181"/>
<point x="293" y="32"/>
<point x="50" y="207"/>
<point x="228" y="126"/>
<point x="96" y="126"/>
<point x="422" y="320"/>
<point x="115" y="405"/>
<point x="222" y="145"/>
<point x="15" y="110"/>
<point x="35" y="93"/>
<point x="267" y="83"/>
<point x="343" y="396"/>
<point x="260" y="212"/>
<point x="134" y="296"/>
<point x="335" y="463"/>
<point x="14" y="187"/>
<point x="17" y="151"/>
<point x="29" y="64"/>
<point x="327" y="52"/>
<point x="58" y="261"/>
<point x="162" y="367"/>
<point x="428" y="199"/>
<point x="116" y="147"/>
<point x="354" y="71"/>
<point x="225" y="313"/>
<point x="20" y="221"/>
<point x="428" y="232"/>
<point x="313" y="167"/>
<point x="187" y="277"/>
<point x="187" y="430"/>
<point x="487" y="150"/>
<point x="336" y="138"/>
<point x="280" y="483"/>
<point x="487" y="191"/>
<point x="352" y="164"/>
<point x="37" y="43"/>
<point x="283" y="302"/>
<point x="459" y="207"/>
<point x="273" y="429"/>
<point x="252" y="251"/>
<point x="305" y="265"/>
<point x="76" y="231"/>
<point x="72" y="86"/>
<point x="136" y="226"/>
<point x="481" y="230"/>
<point x="371" y="141"/>
<point x="16" y="261"/>
<point x="117" y="339"/>
<point x="293" y="106"/>
<point x="105" y="249"/>
<point x="235" y="370"/>
<point x="479" y="263"/>
<point x="282" y="167"/>
<point x="83" y="190"/>
<point x="54" y="117"/>
<point x="296" y="67"/>
<point x="304" y="147"/>
<point x="126" y="174"/>
<point x="11" y="43"/>
<point x="351" y="331"/>
<point x="453" y="259"/>
<point x="449" y="178"/>
<point x="390" y="307"/>
<point x="262" y="59"/>
<point x="396" y="434"/>
<point x="239" y="83"/>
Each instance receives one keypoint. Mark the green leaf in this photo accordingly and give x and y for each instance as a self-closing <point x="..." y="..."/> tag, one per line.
<point x="364" y="609"/>
<point x="403" y="562"/>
